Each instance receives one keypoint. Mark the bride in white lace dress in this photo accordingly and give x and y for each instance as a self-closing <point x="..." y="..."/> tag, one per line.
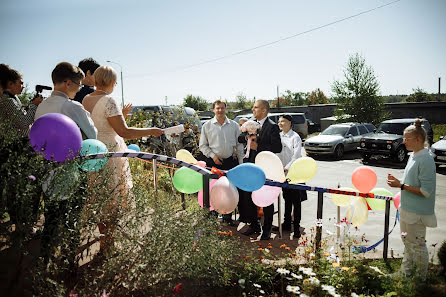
<point x="112" y="129"/>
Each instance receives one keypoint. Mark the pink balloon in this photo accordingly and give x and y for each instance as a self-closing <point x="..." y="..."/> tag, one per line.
<point x="224" y="196"/>
<point x="200" y="193"/>
<point x="364" y="179"/>
<point x="201" y="164"/>
<point x="396" y="200"/>
<point x="265" y="196"/>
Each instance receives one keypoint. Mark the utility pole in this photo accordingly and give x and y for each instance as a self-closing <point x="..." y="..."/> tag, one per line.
<point x="439" y="88"/>
<point x="278" y="99"/>
<point x="165" y="99"/>
<point x="122" y="81"/>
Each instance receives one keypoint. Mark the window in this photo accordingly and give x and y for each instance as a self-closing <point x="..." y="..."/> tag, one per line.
<point x="362" y="129"/>
<point x="298" y="119"/>
<point x="353" y="131"/>
<point x="370" y="127"/>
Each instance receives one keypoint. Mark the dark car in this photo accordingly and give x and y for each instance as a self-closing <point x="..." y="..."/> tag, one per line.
<point x="388" y="140"/>
<point x="438" y="151"/>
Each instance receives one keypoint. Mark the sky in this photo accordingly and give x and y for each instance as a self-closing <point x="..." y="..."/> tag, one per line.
<point x="220" y="49"/>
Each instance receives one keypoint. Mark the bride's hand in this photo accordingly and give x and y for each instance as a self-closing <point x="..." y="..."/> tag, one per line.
<point x="127" y="109"/>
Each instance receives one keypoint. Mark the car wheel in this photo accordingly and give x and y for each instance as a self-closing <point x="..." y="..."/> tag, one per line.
<point x="339" y="151"/>
<point x="400" y="154"/>
<point x="365" y="157"/>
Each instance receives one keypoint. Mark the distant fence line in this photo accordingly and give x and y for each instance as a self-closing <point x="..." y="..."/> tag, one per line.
<point x="432" y="111"/>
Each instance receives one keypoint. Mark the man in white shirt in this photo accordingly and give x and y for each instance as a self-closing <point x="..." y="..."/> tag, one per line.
<point x="218" y="142"/>
<point x="67" y="79"/>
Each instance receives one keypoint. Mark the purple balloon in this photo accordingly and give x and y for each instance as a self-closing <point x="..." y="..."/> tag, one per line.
<point x="56" y="136"/>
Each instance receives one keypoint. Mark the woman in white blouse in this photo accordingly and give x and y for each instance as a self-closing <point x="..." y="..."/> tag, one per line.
<point x="291" y="151"/>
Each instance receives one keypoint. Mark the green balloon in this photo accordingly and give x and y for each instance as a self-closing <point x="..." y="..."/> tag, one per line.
<point x="378" y="204"/>
<point x="187" y="181"/>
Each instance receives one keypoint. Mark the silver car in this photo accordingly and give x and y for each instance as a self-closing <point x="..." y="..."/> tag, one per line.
<point x="337" y="139"/>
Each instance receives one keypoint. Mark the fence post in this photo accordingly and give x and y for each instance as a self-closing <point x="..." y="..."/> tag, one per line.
<point x="386" y="230"/>
<point x="155" y="181"/>
<point x="183" y="201"/>
<point x="320" y="204"/>
<point x="206" y="203"/>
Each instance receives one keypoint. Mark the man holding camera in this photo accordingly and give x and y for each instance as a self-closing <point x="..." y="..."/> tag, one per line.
<point x="67" y="79"/>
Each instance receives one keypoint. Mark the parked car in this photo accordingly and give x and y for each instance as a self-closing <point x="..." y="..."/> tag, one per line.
<point x="248" y="116"/>
<point x="312" y="127"/>
<point x="299" y="122"/>
<point x="388" y="140"/>
<point x="337" y="139"/>
<point x="438" y="151"/>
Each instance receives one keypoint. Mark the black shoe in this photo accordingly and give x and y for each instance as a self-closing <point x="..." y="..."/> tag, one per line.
<point x="296" y="234"/>
<point x="251" y="231"/>
<point x="265" y="235"/>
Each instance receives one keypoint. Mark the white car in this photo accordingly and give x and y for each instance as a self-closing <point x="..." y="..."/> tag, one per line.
<point x="438" y="151"/>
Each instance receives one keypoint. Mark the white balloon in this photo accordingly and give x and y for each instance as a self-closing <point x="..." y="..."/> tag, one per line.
<point x="271" y="165"/>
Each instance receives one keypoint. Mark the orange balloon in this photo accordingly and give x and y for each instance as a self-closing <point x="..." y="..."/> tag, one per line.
<point x="364" y="179"/>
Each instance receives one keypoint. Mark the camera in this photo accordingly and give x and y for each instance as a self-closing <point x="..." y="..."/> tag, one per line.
<point x="40" y="88"/>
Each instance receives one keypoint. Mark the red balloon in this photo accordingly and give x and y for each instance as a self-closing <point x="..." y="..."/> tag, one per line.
<point x="364" y="179"/>
<point x="396" y="200"/>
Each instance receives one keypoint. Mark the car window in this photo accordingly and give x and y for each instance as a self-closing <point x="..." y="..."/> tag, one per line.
<point x="273" y="118"/>
<point x="370" y="127"/>
<point x="426" y="126"/>
<point x="298" y="119"/>
<point x="362" y="129"/>
<point x="335" y="130"/>
<point x="393" y="128"/>
<point x="353" y="131"/>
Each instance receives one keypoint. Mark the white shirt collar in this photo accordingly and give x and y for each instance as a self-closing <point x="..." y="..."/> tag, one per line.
<point x="288" y="134"/>
<point x="262" y="121"/>
<point x="214" y="120"/>
<point x="60" y="94"/>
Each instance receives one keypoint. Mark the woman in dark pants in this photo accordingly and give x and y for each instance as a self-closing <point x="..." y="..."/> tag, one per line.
<point x="291" y="151"/>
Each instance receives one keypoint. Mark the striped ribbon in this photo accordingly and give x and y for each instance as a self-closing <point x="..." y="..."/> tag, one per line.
<point x="204" y="171"/>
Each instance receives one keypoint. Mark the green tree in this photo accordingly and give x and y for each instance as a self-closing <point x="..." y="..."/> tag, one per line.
<point x="195" y="102"/>
<point x="317" y="97"/>
<point x="419" y="95"/>
<point x="357" y="96"/>
<point x="241" y="102"/>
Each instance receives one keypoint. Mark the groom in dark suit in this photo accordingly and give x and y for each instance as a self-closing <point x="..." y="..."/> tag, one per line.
<point x="268" y="140"/>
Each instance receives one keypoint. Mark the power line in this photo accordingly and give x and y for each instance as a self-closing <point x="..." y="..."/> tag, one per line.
<point x="179" y="68"/>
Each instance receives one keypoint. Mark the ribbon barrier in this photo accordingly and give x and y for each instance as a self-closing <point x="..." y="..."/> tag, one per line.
<point x="58" y="138"/>
<point x="184" y="186"/>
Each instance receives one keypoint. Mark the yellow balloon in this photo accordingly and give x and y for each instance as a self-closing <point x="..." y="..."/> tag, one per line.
<point x="343" y="200"/>
<point x="358" y="214"/>
<point x="186" y="156"/>
<point x="302" y="170"/>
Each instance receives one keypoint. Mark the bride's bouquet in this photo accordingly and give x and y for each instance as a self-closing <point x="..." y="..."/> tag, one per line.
<point x="250" y="129"/>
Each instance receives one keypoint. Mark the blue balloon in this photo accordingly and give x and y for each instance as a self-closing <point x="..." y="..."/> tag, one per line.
<point x="89" y="147"/>
<point x="133" y="147"/>
<point x="247" y="177"/>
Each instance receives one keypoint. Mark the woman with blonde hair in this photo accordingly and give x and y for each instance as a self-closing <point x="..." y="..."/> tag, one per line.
<point x="112" y="129"/>
<point x="417" y="208"/>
